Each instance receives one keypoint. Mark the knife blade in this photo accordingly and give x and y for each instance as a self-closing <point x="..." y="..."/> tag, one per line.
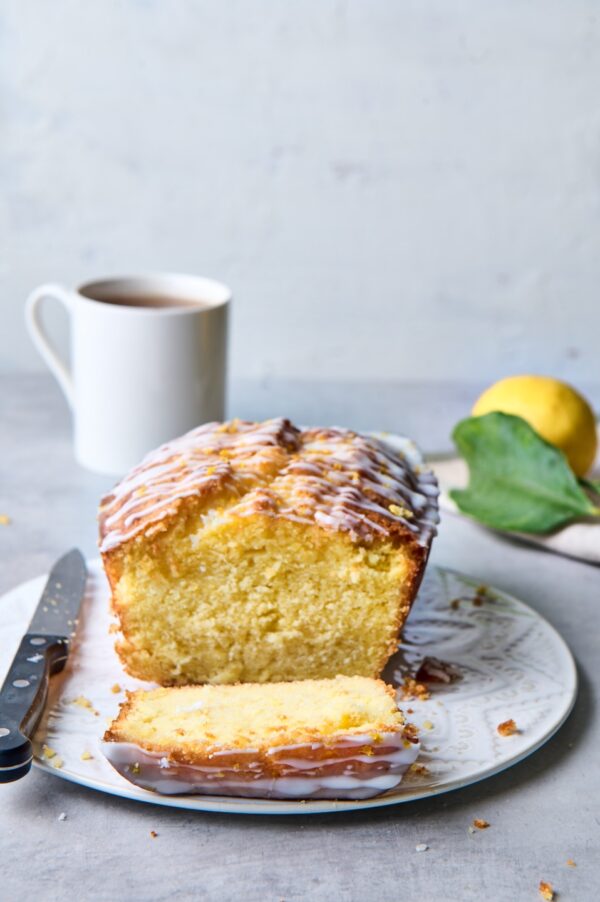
<point x="43" y="651"/>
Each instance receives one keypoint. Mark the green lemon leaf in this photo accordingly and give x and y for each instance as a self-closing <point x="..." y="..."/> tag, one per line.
<point x="518" y="481"/>
<point x="593" y="485"/>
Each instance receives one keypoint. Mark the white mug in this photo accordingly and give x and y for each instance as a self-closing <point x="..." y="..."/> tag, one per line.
<point x="148" y="361"/>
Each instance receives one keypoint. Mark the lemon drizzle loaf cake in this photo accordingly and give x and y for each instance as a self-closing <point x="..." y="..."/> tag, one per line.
<point x="341" y="738"/>
<point x="259" y="552"/>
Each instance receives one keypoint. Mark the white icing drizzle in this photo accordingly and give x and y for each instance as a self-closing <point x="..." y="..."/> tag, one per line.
<point x="333" y="477"/>
<point x="298" y="777"/>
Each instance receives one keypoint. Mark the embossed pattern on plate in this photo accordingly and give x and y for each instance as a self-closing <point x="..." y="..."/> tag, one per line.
<point x="513" y="664"/>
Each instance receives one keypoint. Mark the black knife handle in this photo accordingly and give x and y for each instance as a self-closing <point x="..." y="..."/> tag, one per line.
<point x="22" y="699"/>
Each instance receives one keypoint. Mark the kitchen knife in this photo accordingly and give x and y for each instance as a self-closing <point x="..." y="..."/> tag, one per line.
<point x="43" y="651"/>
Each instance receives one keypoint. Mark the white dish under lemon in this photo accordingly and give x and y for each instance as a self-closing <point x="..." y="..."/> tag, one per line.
<point x="512" y="664"/>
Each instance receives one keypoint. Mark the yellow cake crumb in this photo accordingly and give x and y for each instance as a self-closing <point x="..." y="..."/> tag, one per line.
<point x="427" y="724"/>
<point x="4" y="519"/>
<point x="48" y="752"/>
<point x="82" y="702"/>
<point x="546" y="891"/>
<point x="507" y="728"/>
<point x="411" y="689"/>
<point x="115" y="688"/>
<point x="86" y="756"/>
<point x="571" y="863"/>
<point x="57" y="762"/>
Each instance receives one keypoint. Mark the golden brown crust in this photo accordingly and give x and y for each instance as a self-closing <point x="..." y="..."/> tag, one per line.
<point x="410" y="587"/>
<point x="335" y="478"/>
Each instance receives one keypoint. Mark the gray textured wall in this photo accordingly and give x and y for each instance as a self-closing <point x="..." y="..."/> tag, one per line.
<point x="393" y="189"/>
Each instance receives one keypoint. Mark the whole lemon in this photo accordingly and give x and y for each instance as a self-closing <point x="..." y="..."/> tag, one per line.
<point x="554" y="409"/>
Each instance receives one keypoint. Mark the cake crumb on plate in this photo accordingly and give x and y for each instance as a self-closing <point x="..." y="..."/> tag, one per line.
<point x="419" y="770"/>
<point x="412" y="689"/>
<point x="507" y="728"/>
<point x="82" y="702"/>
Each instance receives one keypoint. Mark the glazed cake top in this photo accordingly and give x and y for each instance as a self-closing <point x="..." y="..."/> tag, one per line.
<point x="335" y="478"/>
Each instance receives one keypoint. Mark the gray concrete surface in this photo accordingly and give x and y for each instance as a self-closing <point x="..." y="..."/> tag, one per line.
<point x="541" y="812"/>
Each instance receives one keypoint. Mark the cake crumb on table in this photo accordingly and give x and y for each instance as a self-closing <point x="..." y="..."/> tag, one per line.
<point x="480" y="823"/>
<point x="153" y="834"/>
<point x="571" y="863"/>
<point x="508" y="728"/>
<point x="546" y="891"/>
<point x="421" y="847"/>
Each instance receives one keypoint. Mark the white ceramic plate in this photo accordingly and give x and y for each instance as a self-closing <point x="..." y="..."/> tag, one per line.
<point x="513" y="665"/>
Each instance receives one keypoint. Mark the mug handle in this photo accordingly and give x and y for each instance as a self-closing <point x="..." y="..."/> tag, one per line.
<point x="40" y="339"/>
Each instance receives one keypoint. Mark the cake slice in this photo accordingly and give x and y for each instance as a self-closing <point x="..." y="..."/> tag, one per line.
<point x="342" y="738"/>
<point x="259" y="552"/>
